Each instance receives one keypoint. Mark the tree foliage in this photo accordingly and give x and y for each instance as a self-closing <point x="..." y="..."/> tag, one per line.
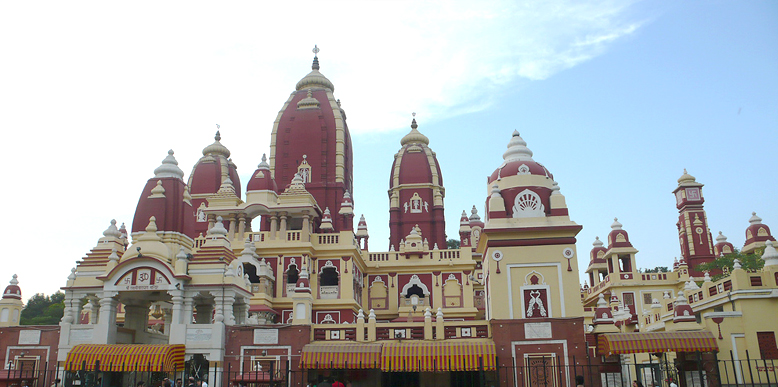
<point x="44" y="310"/>
<point x="658" y="269"/>
<point x="748" y="262"/>
<point x="452" y="244"/>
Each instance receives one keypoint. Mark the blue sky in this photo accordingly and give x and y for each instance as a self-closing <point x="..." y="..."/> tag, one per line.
<point x="614" y="97"/>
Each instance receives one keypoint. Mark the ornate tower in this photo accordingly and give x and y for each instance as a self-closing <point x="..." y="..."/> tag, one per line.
<point x="310" y="137"/>
<point x="214" y="172"/>
<point x="416" y="191"/>
<point x="530" y="260"/>
<point x="693" y="232"/>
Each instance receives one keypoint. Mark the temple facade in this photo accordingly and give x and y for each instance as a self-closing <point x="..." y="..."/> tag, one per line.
<point x="274" y="284"/>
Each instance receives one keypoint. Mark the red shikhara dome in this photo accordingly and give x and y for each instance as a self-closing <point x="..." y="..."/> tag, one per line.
<point x="310" y="136"/>
<point x="416" y="191"/>
<point x="166" y="198"/>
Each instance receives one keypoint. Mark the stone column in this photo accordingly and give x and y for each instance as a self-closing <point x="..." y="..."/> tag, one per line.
<point x="371" y="326"/>
<point x="282" y="228"/>
<point x="93" y="316"/>
<point x="229" y="312"/>
<point x="427" y="324"/>
<point x="242" y="227"/>
<point x="188" y="310"/>
<point x="361" y="325"/>
<point x="440" y="329"/>
<point x="273" y="225"/>
<point x="231" y="231"/>
<point x="105" y="331"/>
<point x="305" y="233"/>
<point x="178" y="308"/>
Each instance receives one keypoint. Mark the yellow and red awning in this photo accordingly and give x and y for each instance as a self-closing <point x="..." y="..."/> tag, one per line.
<point x="624" y="343"/>
<point x="340" y="356"/>
<point x="438" y="356"/>
<point x="125" y="357"/>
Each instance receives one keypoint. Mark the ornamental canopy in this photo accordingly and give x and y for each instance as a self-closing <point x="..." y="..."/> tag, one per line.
<point x="125" y="357"/>
<point x="340" y="356"/>
<point x="438" y="356"/>
<point x="624" y="343"/>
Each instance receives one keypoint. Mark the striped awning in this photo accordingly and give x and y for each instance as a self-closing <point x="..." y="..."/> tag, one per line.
<point x="340" y="356"/>
<point x="425" y="356"/>
<point x="125" y="357"/>
<point x="623" y="343"/>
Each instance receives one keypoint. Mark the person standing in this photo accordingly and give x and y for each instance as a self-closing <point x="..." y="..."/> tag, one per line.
<point x="338" y="383"/>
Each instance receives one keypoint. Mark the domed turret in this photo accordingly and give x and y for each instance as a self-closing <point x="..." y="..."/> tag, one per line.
<point x="165" y="198"/>
<point x="723" y="247"/>
<point x="416" y="190"/>
<point x="757" y="234"/>
<point x="13" y="290"/>
<point x="618" y="237"/>
<point x="208" y="176"/>
<point x="598" y="252"/>
<point x="310" y="137"/>
<point x="11" y="304"/>
<point x="261" y="180"/>
<point x="523" y="186"/>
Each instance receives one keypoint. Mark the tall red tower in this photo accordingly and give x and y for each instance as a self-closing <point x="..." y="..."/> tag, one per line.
<point x="310" y="137"/>
<point x="416" y="192"/>
<point x="693" y="232"/>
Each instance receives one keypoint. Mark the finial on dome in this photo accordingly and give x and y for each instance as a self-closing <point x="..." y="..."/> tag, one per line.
<point x="414" y="137"/>
<point x="263" y="164"/>
<point x="721" y="238"/>
<point x="315" y="51"/>
<point x="755" y="219"/>
<point x="597" y="242"/>
<point x="112" y="231"/>
<point x="517" y="149"/>
<point x="152" y="227"/>
<point x="616" y="225"/>
<point x="770" y="255"/>
<point x="686" y="178"/>
<point x="14" y="280"/>
<point x="474" y="214"/>
<point x="169" y="167"/>
<point x="217" y="146"/>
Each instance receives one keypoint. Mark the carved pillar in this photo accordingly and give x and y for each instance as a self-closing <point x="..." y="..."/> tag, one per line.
<point x="282" y="228"/>
<point x="93" y="316"/>
<point x="229" y="313"/>
<point x="188" y="310"/>
<point x="231" y="231"/>
<point x="273" y="225"/>
<point x="242" y="227"/>
<point x="306" y="229"/>
<point x="178" y="309"/>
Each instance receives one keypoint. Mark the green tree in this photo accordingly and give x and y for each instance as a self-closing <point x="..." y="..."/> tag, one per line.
<point x="44" y="310"/>
<point x="452" y="244"/>
<point x="658" y="269"/>
<point x="749" y="262"/>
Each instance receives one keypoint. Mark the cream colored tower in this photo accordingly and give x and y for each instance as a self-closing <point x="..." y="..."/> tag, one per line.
<point x="530" y="263"/>
<point x="11" y="304"/>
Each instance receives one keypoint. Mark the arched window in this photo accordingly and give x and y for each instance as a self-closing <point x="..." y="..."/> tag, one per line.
<point x="415" y="289"/>
<point x="4" y="315"/>
<point x="329" y="277"/>
<point x="251" y="271"/>
<point x="292" y="275"/>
